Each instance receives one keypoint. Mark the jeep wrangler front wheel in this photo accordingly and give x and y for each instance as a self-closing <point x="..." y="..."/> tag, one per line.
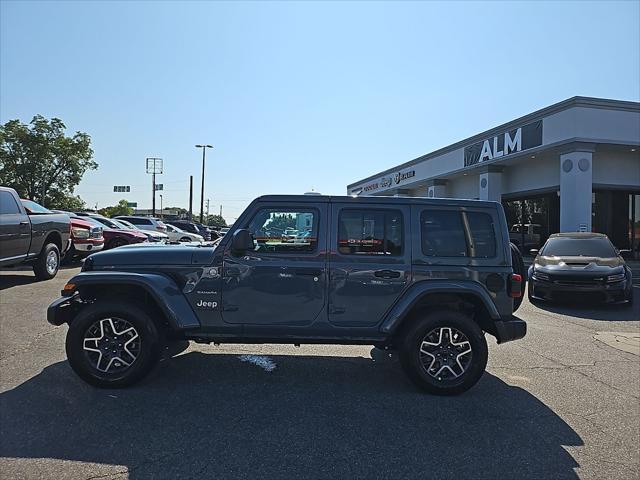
<point x="444" y="353"/>
<point x="112" y="345"/>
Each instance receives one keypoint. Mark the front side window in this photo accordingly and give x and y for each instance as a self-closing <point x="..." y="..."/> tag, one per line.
<point x="284" y="230"/>
<point x="442" y="233"/>
<point x="367" y="232"/>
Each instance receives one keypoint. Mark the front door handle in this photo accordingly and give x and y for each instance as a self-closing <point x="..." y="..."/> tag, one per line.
<point x="387" y="274"/>
<point x="24" y="223"/>
<point x="316" y="272"/>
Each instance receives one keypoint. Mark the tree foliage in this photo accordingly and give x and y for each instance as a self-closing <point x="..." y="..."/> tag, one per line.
<point x="41" y="163"/>
<point x="214" y="221"/>
<point x="121" y="208"/>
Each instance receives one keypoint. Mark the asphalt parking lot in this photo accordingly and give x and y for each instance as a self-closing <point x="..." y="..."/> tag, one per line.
<point x="561" y="403"/>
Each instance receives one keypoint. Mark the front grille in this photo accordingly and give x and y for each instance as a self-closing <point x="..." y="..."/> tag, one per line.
<point x="577" y="280"/>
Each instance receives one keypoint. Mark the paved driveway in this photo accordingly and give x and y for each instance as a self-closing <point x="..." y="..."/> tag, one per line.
<point x="562" y="403"/>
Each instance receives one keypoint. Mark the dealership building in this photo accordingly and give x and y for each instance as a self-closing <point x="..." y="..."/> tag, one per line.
<point x="572" y="166"/>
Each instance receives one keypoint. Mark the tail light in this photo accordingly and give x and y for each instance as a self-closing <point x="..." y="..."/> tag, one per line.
<point x="515" y="290"/>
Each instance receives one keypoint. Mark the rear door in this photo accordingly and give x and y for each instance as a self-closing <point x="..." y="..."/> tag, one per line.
<point x="370" y="262"/>
<point x="15" y="228"/>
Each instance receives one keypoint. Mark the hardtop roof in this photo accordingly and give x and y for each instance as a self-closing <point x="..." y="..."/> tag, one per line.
<point x="377" y="200"/>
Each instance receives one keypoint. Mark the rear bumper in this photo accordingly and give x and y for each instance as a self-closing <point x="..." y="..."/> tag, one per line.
<point x="62" y="310"/>
<point x="510" y="329"/>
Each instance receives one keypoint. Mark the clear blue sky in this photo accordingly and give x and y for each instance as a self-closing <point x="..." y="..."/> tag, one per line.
<point x="297" y="96"/>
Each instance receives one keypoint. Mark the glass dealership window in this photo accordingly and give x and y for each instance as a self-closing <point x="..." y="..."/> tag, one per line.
<point x="366" y="232"/>
<point x="284" y="231"/>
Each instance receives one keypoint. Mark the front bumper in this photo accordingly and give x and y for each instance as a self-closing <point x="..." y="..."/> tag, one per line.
<point x="62" y="310"/>
<point x="510" y="329"/>
<point x="606" y="292"/>
<point x="88" y="246"/>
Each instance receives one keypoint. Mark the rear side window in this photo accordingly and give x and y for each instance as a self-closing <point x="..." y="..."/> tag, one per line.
<point x="367" y="232"/>
<point x="139" y="221"/>
<point x="442" y="233"/>
<point x="482" y="233"/>
<point x="8" y="205"/>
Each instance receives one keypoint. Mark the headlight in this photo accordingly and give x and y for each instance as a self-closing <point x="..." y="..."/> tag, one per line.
<point x="540" y="276"/>
<point x="80" y="232"/>
<point x="615" y="278"/>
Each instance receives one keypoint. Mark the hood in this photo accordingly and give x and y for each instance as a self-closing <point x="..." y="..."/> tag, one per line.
<point x="153" y="254"/>
<point x="579" y="262"/>
<point x="125" y="232"/>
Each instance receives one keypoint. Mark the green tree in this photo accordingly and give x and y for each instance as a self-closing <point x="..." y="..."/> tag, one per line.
<point x="40" y="162"/>
<point x="121" y="208"/>
<point x="215" y="221"/>
<point x="69" y="203"/>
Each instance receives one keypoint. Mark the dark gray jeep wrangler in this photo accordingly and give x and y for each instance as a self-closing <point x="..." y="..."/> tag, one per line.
<point x="425" y="277"/>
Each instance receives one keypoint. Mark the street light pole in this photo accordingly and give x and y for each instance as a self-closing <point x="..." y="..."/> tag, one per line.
<point x="161" y="208"/>
<point x="204" y="149"/>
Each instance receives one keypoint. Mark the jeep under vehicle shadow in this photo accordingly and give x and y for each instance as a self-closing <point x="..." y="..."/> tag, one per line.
<point x="426" y="277"/>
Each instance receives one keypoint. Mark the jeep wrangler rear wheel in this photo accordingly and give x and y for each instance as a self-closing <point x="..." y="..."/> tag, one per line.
<point x="112" y="345"/>
<point x="444" y="353"/>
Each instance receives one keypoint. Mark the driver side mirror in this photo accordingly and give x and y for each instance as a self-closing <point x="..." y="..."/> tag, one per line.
<point x="241" y="242"/>
<point x="533" y="252"/>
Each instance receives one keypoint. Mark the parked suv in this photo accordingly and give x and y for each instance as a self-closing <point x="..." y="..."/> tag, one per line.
<point x="425" y="277"/>
<point x="192" y="227"/>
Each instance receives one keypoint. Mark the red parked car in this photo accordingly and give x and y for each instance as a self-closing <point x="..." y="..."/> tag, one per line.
<point x="86" y="238"/>
<point x="116" y="237"/>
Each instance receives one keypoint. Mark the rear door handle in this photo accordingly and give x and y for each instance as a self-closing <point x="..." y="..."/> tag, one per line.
<point x="24" y="223"/>
<point x="387" y="274"/>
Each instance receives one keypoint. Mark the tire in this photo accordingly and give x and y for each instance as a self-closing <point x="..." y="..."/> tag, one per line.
<point x="441" y="380"/>
<point x="117" y="242"/>
<point x="185" y="239"/>
<point x="517" y="263"/>
<point x="48" y="263"/>
<point x="94" y="367"/>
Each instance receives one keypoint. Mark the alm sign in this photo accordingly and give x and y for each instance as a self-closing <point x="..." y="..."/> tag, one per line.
<point x="511" y="141"/>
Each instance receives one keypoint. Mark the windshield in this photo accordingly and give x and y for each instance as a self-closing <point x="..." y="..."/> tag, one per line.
<point x="34" y="208"/>
<point x="579" y="247"/>
<point x="107" y="222"/>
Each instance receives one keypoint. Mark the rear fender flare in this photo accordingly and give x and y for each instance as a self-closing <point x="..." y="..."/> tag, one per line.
<point x="161" y="288"/>
<point x="395" y="317"/>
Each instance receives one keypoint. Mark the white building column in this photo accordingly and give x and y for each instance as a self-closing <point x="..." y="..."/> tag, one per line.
<point x="437" y="188"/>
<point x="491" y="184"/>
<point x="576" y="181"/>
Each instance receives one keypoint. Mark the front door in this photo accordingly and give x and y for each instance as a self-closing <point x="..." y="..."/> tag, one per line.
<point x="15" y="229"/>
<point x="282" y="282"/>
<point x="370" y="262"/>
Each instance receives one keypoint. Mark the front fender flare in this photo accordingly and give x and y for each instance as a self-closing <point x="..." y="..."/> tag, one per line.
<point x="412" y="296"/>
<point x="161" y="288"/>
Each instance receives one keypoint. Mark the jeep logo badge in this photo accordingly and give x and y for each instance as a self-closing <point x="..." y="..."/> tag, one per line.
<point x="207" y="305"/>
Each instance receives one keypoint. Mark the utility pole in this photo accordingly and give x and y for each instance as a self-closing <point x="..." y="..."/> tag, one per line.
<point x="207" y="208"/>
<point x="190" y="197"/>
<point x="220" y="210"/>
<point x="161" y="208"/>
<point x="204" y="150"/>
